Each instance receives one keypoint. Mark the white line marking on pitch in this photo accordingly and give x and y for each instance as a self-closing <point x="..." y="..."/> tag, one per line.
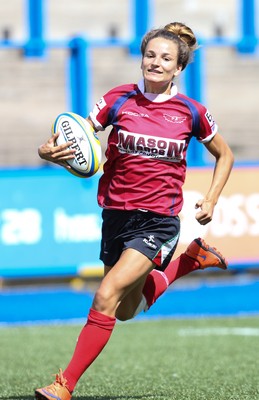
<point x="218" y="331"/>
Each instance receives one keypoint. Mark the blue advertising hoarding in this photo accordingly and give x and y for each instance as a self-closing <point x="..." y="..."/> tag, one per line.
<point x="50" y="223"/>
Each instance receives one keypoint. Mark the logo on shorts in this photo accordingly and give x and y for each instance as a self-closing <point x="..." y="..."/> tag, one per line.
<point x="150" y="241"/>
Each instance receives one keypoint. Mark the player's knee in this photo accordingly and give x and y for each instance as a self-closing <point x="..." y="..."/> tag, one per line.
<point x="104" y="300"/>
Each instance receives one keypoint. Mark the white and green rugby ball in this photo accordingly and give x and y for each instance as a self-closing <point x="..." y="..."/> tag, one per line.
<point x="74" y="128"/>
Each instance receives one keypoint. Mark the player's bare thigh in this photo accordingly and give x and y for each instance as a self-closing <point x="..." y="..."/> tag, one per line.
<point x="122" y="284"/>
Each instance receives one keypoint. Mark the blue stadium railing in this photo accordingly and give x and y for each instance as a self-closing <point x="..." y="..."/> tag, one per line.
<point x="142" y="10"/>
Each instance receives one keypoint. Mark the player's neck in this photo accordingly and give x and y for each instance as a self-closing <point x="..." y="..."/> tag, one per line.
<point x="158" y="88"/>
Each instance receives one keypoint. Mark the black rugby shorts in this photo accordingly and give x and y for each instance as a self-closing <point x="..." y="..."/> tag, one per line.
<point x="156" y="236"/>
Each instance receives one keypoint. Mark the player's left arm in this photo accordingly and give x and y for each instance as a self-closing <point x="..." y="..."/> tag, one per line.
<point x="224" y="160"/>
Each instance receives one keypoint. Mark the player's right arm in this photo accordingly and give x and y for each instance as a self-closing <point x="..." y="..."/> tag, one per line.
<point x="58" y="154"/>
<point x="49" y="151"/>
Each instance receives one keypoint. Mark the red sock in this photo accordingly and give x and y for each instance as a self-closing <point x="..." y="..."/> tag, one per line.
<point x="155" y="285"/>
<point x="183" y="265"/>
<point x="157" y="282"/>
<point x="92" y="339"/>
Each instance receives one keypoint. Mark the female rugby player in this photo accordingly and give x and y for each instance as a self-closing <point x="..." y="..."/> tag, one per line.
<point x="140" y="192"/>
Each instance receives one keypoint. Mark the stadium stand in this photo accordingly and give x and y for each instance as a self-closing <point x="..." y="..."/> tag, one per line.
<point x="35" y="90"/>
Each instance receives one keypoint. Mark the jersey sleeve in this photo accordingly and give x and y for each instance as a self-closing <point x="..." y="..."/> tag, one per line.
<point x="101" y="113"/>
<point x="207" y="127"/>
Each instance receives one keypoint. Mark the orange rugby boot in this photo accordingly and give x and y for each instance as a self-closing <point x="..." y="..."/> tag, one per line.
<point x="206" y="256"/>
<point x="58" y="390"/>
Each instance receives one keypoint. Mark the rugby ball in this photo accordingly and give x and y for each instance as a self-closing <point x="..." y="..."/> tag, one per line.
<point x="74" y="128"/>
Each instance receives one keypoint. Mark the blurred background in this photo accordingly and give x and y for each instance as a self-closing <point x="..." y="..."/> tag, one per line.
<point x="63" y="57"/>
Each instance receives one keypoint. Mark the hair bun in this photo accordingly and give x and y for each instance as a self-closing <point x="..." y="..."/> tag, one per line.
<point x="184" y="33"/>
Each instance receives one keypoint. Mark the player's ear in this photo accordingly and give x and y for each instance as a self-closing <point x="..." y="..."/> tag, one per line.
<point x="178" y="70"/>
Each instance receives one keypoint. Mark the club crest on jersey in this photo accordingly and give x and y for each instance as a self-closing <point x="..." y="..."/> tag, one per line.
<point x="166" y="149"/>
<point x="174" y="118"/>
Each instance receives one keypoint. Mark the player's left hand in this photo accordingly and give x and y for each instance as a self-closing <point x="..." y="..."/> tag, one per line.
<point x="204" y="216"/>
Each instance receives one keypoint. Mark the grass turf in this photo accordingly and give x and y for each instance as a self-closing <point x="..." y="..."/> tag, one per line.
<point x="201" y="359"/>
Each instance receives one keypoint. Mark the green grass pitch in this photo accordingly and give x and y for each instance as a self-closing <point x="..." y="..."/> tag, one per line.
<point x="189" y="359"/>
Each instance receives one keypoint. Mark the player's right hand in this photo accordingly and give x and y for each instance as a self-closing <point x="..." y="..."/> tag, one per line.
<point x="49" y="151"/>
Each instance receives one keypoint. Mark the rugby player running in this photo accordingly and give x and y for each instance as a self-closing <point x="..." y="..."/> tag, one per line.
<point x="140" y="192"/>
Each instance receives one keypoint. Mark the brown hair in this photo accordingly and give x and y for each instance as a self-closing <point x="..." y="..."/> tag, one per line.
<point x="181" y="34"/>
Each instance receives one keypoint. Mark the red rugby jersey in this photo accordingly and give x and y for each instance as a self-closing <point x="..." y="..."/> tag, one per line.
<point x="146" y="152"/>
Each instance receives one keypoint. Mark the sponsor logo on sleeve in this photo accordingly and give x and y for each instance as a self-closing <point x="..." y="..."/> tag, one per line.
<point x="101" y="104"/>
<point x="210" y="120"/>
<point x="98" y="107"/>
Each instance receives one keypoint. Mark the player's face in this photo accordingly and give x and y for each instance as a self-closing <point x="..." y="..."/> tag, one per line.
<point x="159" y="65"/>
